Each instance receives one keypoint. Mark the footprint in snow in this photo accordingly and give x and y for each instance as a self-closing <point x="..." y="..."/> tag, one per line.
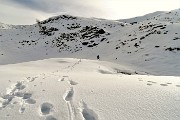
<point x="87" y="113"/>
<point x="30" y="101"/>
<point x="163" y="84"/>
<point x="15" y="91"/>
<point x="31" y="79"/>
<point x="5" y="100"/>
<point x="18" y="86"/>
<point x="68" y="96"/>
<point x="72" y="82"/>
<point x="26" y="97"/>
<point x="46" y="108"/>
<point x="21" y="110"/>
<point x="50" y="118"/>
<point x="149" y="84"/>
<point x="61" y="79"/>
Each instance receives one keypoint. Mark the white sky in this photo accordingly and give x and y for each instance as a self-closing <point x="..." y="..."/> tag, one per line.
<point x="26" y="11"/>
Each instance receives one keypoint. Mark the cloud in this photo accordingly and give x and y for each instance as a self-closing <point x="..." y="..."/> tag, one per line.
<point x="25" y="11"/>
<point x="53" y="6"/>
<point x="33" y="4"/>
<point x="109" y="9"/>
<point x="14" y="15"/>
<point x="39" y="5"/>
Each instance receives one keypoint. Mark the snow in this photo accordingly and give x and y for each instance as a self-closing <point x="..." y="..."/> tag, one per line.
<point x="77" y="89"/>
<point x="142" y="18"/>
<point x="56" y="76"/>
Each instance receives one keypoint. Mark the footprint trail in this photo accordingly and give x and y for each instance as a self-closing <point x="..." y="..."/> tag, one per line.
<point x="68" y="97"/>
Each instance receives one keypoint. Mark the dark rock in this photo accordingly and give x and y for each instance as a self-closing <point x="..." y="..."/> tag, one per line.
<point x="85" y="43"/>
<point x="101" y="31"/>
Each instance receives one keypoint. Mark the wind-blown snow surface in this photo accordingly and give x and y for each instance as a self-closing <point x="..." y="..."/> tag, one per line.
<point x="79" y="89"/>
<point x="46" y="72"/>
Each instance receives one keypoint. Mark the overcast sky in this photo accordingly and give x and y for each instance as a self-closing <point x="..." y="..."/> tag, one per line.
<point x="27" y="11"/>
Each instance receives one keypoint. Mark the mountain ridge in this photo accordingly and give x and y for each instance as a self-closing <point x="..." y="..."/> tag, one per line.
<point x="151" y="46"/>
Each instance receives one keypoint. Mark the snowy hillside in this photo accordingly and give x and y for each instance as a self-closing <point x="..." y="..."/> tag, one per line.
<point x="151" y="46"/>
<point x="50" y="71"/>
<point x="141" y="18"/>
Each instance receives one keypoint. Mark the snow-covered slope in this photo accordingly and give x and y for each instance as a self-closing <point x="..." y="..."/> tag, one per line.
<point x="151" y="46"/>
<point x="79" y="89"/>
<point x="141" y="18"/>
<point x="172" y="16"/>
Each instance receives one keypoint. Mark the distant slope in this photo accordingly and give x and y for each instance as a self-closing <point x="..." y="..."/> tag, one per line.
<point x="5" y="26"/>
<point x="171" y="16"/>
<point x="151" y="46"/>
<point x="142" y="18"/>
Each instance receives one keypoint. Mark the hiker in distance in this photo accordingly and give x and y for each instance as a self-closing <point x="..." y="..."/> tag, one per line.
<point x="98" y="57"/>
